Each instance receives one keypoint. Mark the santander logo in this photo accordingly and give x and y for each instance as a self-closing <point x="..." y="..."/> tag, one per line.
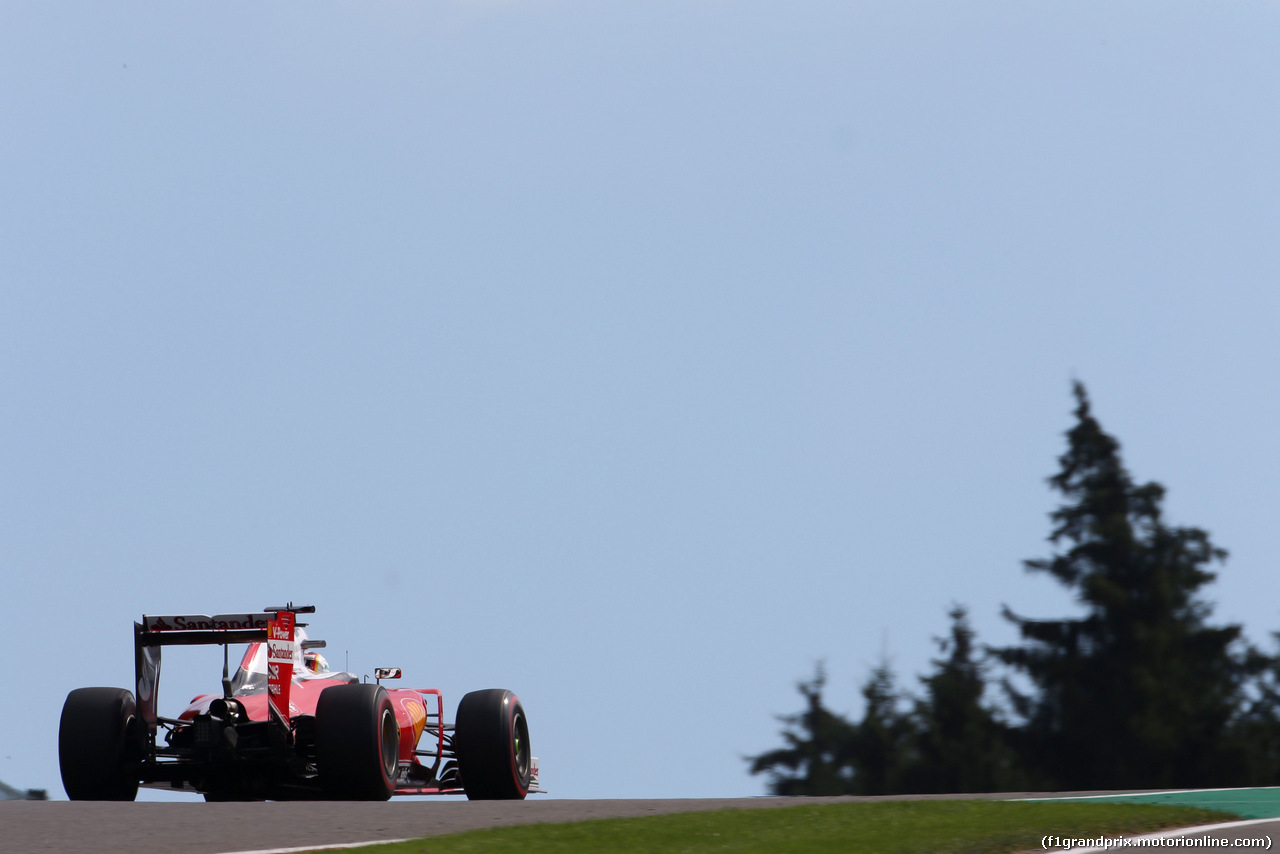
<point x="203" y="622"/>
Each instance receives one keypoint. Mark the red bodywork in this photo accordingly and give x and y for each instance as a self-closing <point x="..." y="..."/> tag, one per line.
<point x="285" y="727"/>
<point x="274" y="687"/>
<point x="417" y="711"/>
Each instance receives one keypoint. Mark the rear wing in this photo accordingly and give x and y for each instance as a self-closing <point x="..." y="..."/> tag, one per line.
<point x="272" y="625"/>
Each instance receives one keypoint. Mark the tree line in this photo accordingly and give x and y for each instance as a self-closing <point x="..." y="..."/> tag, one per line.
<point x="1140" y="690"/>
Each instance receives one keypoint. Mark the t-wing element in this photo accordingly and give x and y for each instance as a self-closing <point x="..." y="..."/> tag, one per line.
<point x="297" y="609"/>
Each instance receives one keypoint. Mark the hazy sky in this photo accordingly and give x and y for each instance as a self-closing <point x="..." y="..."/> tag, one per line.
<point x="632" y="356"/>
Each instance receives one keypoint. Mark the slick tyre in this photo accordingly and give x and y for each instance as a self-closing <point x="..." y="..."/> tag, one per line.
<point x="357" y="742"/>
<point x="491" y="740"/>
<point x="99" y="745"/>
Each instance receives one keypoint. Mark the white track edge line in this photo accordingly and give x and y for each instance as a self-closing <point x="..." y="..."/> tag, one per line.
<point x="1146" y="794"/>
<point x="332" y="847"/>
<point x="1176" y="831"/>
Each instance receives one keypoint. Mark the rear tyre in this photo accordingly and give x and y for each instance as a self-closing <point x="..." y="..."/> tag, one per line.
<point x="99" y="745"/>
<point x="491" y="740"/>
<point x="357" y="742"/>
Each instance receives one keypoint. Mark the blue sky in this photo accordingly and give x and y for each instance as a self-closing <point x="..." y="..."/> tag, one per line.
<point x="632" y="356"/>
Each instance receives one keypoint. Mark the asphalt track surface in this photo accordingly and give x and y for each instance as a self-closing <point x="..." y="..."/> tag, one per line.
<point x="34" y="827"/>
<point x="86" y="827"/>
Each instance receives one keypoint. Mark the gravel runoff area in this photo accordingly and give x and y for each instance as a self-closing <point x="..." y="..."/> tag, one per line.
<point x="64" y="827"/>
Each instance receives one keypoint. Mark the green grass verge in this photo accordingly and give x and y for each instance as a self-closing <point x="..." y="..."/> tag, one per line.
<point x="883" y="827"/>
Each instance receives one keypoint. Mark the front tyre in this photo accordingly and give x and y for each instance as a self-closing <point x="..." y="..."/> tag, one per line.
<point x="99" y="745"/>
<point x="357" y="742"/>
<point x="491" y="740"/>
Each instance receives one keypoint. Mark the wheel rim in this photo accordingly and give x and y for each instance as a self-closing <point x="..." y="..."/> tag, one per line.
<point x="390" y="738"/>
<point x="520" y="748"/>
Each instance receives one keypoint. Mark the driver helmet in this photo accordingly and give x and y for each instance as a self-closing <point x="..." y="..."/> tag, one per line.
<point x="314" y="662"/>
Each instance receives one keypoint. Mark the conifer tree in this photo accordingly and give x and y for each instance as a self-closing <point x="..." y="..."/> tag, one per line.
<point x="1140" y="691"/>
<point x="960" y="743"/>
<point x="880" y="742"/>
<point x="815" y="760"/>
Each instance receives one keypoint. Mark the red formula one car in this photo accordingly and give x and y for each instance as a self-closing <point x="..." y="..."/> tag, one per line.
<point x="286" y="727"/>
